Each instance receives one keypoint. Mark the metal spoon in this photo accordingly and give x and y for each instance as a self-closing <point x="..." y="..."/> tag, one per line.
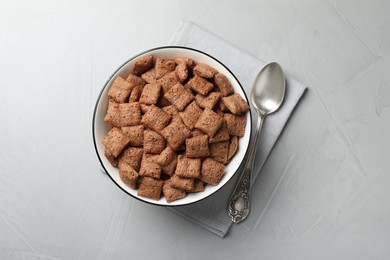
<point x="266" y="97"/>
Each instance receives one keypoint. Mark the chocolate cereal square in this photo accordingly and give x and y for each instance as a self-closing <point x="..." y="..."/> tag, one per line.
<point x="208" y="101"/>
<point x="115" y="141"/>
<point x="188" y="167"/>
<point x="171" y="166"/>
<point x="150" y="188"/>
<point x="123" y="114"/>
<point x="155" y="118"/>
<point x="200" y="85"/>
<point x="182" y="182"/>
<point x="171" y="193"/>
<point x="233" y="147"/>
<point x="120" y="90"/>
<point x="193" y="167"/>
<point x="149" y="167"/>
<point x="128" y="175"/>
<point x="223" y="84"/>
<point x="219" y="151"/>
<point x="235" y="124"/>
<point x="150" y="94"/>
<point x="236" y="104"/>
<point x="135" y="94"/>
<point x="175" y="134"/>
<point x="211" y="171"/>
<point x="182" y="71"/>
<point x="209" y="122"/>
<point x="190" y="115"/>
<point x="168" y="81"/>
<point x="166" y="156"/>
<point x="113" y="161"/>
<point x="149" y="76"/>
<point x="153" y="142"/>
<point x="164" y="66"/>
<point x="132" y="156"/>
<point x="135" y="134"/>
<point x="143" y="64"/>
<point x="197" y="147"/>
<point x="204" y="70"/>
<point x="178" y="96"/>
<point x="181" y="167"/>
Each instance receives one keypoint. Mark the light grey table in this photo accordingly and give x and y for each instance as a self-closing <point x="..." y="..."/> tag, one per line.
<point x="323" y="193"/>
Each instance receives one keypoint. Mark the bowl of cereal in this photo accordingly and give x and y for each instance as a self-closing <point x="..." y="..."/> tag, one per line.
<point x="171" y="126"/>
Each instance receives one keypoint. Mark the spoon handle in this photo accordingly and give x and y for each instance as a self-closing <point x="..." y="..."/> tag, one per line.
<point x="239" y="206"/>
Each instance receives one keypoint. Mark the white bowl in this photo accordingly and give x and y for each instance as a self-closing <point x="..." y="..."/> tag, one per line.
<point x="100" y="128"/>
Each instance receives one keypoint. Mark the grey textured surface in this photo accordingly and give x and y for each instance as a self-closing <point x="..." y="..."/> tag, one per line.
<point x="323" y="192"/>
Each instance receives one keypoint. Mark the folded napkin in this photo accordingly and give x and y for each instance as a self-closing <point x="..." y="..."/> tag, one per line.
<point x="211" y="213"/>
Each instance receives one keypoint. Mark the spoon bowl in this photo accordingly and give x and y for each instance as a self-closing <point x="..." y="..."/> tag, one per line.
<point x="267" y="95"/>
<point x="268" y="90"/>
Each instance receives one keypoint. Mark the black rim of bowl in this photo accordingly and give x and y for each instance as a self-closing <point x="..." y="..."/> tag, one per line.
<point x="105" y="86"/>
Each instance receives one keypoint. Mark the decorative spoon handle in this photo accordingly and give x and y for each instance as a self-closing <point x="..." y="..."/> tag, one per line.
<point x="239" y="206"/>
<point x="239" y="202"/>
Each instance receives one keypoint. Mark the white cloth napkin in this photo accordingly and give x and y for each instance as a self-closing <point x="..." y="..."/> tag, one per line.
<point x="211" y="213"/>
